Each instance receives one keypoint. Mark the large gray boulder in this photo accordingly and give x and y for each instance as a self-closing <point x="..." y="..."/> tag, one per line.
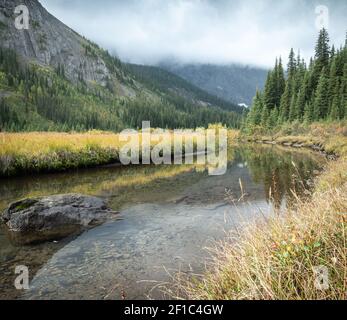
<point x="54" y="217"/>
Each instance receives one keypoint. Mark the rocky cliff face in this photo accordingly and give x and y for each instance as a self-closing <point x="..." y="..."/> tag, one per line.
<point x="50" y="42"/>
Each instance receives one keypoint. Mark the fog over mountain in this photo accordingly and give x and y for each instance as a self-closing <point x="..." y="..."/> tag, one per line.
<point x="233" y="83"/>
<point x="201" y="31"/>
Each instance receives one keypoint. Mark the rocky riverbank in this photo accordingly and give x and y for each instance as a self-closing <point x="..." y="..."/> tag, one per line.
<point x="297" y="142"/>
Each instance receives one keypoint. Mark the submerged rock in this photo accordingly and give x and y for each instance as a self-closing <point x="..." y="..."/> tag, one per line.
<point x="49" y="218"/>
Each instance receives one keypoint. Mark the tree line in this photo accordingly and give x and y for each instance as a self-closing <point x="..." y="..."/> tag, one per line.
<point x="43" y="99"/>
<point x="303" y="93"/>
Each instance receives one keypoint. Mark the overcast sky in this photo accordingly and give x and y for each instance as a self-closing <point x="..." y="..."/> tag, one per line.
<point x="202" y="31"/>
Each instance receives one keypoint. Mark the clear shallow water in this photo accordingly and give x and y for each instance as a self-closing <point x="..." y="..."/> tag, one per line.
<point x="170" y="215"/>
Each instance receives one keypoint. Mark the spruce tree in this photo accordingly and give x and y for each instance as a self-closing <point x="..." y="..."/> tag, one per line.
<point x="302" y="97"/>
<point x="265" y="116"/>
<point x="309" y="113"/>
<point x="254" y="116"/>
<point x="270" y="91"/>
<point x="281" y="83"/>
<point x="334" y="82"/>
<point x="273" y="119"/>
<point x="322" y="55"/>
<point x="335" y="109"/>
<point x="322" y="50"/>
<point x="293" y="114"/>
<point x="298" y="79"/>
<point x="321" y="102"/>
<point x="332" y="52"/>
<point x="285" y="102"/>
<point x="310" y="94"/>
<point x="291" y="67"/>
<point x="343" y="93"/>
<point x="286" y="98"/>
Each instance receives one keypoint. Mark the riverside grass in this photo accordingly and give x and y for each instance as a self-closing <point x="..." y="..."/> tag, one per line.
<point x="276" y="259"/>
<point x="38" y="152"/>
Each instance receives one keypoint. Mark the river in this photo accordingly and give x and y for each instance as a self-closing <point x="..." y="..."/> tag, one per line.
<point x="170" y="215"/>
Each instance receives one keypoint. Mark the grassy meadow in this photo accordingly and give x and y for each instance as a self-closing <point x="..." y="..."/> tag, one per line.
<point x="37" y="152"/>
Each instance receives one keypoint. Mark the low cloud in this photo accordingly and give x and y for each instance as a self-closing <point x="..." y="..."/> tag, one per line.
<point x="201" y="31"/>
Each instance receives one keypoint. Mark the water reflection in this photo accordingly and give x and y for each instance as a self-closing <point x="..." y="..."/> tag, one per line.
<point x="281" y="172"/>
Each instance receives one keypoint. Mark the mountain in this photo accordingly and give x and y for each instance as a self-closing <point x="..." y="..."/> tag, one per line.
<point x="50" y="42"/>
<point x="166" y="82"/>
<point x="51" y="78"/>
<point x="234" y="83"/>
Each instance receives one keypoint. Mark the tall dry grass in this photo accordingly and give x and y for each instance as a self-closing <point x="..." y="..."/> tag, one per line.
<point x="282" y="258"/>
<point x="35" y="143"/>
<point x="37" y="152"/>
<point x="43" y="151"/>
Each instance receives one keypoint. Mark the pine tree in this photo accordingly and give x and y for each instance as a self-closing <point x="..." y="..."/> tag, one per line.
<point x="265" y="116"/>
<point x="343" y="93"/>
<point x="289" y="89"/>
<point x="270" y="91"/>
<point x="285" y="102"/>
<point x="310" y="86"/>
<point x="293" y="113"/>
<point x="322" y="50"/>
<point x="334" y="82"/>
<point x="309" y="112"/>
<point x="321" y="102"/>
<point x="310" y="94"/>
<point x="291" y="67"/>
<point x="302" y="97"/>
<point x="322" y="55"/>
<point x="254" y="116"/>
<point x="335" y="109"/>
<point x="273" y="119"/>
<point x="281" y="83"/>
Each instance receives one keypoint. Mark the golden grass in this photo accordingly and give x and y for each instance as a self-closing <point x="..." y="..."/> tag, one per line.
<point x="52" y="151"/>
<point x="278" y="258"/>
<point x="35" y="143"/>
<point x="43" y="151"/>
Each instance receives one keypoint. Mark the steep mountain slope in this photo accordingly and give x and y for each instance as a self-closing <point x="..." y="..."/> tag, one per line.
<point x="51" y="78"/>
<point x="233" y="83"/>
<point x="50" y="42"/>
<point x="163" y="81"/>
